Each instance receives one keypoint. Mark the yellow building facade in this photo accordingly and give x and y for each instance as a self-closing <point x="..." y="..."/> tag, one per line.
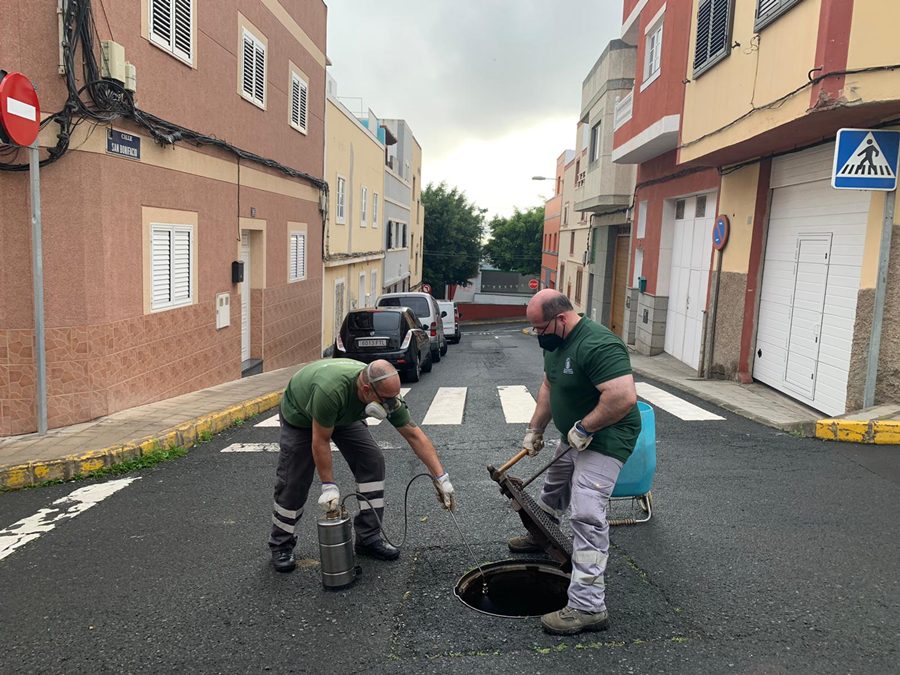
<point x="793" y="304"/>
<point x="354" y="243"/>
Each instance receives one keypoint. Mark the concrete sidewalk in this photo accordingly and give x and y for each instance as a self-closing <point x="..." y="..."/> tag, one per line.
<point x="754" y="401"/>
<point x="180" y="421"/>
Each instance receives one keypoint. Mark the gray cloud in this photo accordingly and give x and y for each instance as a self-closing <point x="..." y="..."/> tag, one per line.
<point x="465" y="69"/>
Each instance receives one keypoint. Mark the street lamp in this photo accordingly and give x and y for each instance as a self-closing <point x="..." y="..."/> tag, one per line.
<point x="541" y="178"/>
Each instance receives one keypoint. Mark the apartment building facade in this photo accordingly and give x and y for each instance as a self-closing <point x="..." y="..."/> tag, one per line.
<point x="552" y="220"/>
<point x="141" y="297"/>
<point x="740" y="124"/>
<point x="674" y="206"/>
<point x="603" y="196"/>
<point x="354" y="239"/>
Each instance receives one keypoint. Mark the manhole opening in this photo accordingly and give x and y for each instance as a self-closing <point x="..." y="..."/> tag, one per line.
<point x="516" y="589"/>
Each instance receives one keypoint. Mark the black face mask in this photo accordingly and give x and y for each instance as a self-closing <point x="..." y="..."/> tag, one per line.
<point x="550" y="341"/>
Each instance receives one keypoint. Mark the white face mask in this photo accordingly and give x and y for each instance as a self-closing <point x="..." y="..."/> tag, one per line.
<point x="375" y="409"/>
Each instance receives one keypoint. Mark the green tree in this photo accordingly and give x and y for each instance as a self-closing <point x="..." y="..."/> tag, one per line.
<point x="453" y="228"/>
<point x="515" y="244"/>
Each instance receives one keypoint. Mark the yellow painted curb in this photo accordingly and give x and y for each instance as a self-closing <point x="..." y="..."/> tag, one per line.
<point x="875" y="432"/>
<point x="185" y="435"/>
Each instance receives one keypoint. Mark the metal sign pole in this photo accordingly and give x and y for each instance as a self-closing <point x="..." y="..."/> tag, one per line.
<point x="887" y="229"/>
<point x="37" y="258"/>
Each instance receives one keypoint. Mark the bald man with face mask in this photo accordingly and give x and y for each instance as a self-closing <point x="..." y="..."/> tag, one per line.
<point x="588" y="391"/>
<point x="329" y="401"/>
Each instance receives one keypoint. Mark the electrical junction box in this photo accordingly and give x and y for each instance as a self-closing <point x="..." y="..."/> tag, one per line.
<point x="112" y="61"/>
<point x="223" y="310"/>
<point x="130" y="77"/>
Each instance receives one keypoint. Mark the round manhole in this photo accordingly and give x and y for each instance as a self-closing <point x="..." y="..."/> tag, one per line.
<point x="516" y="588"/>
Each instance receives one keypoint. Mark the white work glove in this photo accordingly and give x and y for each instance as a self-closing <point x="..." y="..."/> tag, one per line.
<point x="534" y="441"/>
<point x="330" y="498"/>
<point x="445" y="495"/>
<point x="578" y="437"/>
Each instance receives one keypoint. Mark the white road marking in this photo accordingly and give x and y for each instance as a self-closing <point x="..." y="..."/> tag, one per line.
<point x="447" y="406"/>
<point x="273" y="447"/>
<point x="272" y="421"/>
<point x="251" y="447"/>
<point x="672" y="404"/>
<point x="28" y="529"/>
<point x="518" y="404"/>
<point x="372" y="422"/>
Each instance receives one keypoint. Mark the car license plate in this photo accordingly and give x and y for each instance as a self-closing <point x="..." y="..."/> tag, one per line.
<point x="371" y="343"/>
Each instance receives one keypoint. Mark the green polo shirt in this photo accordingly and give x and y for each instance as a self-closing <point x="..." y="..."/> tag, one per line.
<point x="325" y="391"/>
<point x="591" y="355"/>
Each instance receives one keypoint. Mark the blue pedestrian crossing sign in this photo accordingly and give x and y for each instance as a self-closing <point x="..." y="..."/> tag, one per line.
<point x="866" y="160"/>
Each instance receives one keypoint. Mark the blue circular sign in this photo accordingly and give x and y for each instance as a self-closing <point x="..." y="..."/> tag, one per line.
<point x="720" y="232"/>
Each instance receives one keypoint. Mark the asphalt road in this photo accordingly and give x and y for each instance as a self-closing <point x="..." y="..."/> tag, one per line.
<point x="766" y="554"/>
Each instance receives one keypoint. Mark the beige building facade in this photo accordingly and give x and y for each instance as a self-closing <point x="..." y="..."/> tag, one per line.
<point x="354" y="239"/>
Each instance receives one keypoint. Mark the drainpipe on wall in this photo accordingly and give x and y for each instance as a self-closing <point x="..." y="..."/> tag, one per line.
<point x="887" y="230"/>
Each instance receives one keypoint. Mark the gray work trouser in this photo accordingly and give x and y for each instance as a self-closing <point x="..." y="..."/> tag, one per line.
<point x="584" y="480"/>
<point x="294" y="477"/>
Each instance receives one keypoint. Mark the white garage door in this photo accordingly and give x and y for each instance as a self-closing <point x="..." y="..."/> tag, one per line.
<point x="689" y="276"/>
<point x="807" y="308"/>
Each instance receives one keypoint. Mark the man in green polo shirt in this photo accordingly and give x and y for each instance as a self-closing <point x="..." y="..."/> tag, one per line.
<point x="328" y="401"/>
<point x="588" y="390"/>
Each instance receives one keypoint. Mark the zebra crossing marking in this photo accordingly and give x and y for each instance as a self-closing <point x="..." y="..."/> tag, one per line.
<point x="518" y="404"/>
<point x="274" y="447"/>
<point x="674" y="405"/>
<point x="272" y="421"/>
<point x="447" y="407"/>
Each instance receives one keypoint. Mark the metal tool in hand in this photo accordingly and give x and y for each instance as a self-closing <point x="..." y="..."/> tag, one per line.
<point x="545" y="532"/>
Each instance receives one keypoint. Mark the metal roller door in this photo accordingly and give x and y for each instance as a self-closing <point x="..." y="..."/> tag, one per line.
<point x="811" y="275"/>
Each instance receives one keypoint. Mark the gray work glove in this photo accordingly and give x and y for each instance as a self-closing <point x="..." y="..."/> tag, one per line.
<point x="330" y="498"/>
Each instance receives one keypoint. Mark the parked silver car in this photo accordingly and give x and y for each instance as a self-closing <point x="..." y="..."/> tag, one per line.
<point x="428" y="312"/>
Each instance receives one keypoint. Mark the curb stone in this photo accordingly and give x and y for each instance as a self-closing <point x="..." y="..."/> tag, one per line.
<point x="185" y="435"/>
<point x="873" y="432"/>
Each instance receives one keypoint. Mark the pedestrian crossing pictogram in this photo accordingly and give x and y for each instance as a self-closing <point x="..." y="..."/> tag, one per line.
<point x="866" y="160"/>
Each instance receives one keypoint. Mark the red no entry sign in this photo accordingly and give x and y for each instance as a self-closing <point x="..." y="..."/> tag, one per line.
<point x="20" y="111"/>
<point x="533" y="284"/>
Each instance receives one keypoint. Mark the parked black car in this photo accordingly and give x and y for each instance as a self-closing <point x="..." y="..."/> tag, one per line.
<point x="390" y="333"/>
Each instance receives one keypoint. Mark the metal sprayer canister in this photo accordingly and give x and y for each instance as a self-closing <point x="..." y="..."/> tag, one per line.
<point x="336" y="549"/>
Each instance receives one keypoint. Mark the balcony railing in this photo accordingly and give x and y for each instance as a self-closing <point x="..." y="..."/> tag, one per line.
<point x="624" y="108"/>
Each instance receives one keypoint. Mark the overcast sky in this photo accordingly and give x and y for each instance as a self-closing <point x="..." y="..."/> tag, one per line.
<point x="491" y="88"/>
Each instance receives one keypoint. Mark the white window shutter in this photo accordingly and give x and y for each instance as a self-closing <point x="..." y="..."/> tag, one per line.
<point x="160" y="267"/>
<point x="304" y="104"/>
<point x="183" y="43"/>
<point x="294" y="256"/>
<point x="161" y="22"/>
<point x="181" y="265"/>
<point x="248" y="65"/>
<point x="301" y="256"/>
<point x="295" y="101"/>
<point x="259" y="84"/>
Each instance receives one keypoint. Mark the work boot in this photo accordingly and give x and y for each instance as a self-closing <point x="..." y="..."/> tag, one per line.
<point x="524" y="544"/>
<point x="378" y="549"/>
<point x="570" y="621"/>
<point x="283" y="560"/>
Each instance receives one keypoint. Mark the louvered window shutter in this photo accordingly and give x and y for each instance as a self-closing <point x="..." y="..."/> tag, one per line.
<point x="301" y="256"/>
<point x="248" y="65"/>
<point x="259" y="88"/>
<point x="161" y="267"/>
<point x="304" y="104"/>
<point x="295" y="247"/>
<point x="766" y="7"/>
<point x="295" y="101"/>
<point x="161" y="22"/>
<point x="183" y="44"/>
<point x="713" y="23"/>
<point x="181" y="265"/>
